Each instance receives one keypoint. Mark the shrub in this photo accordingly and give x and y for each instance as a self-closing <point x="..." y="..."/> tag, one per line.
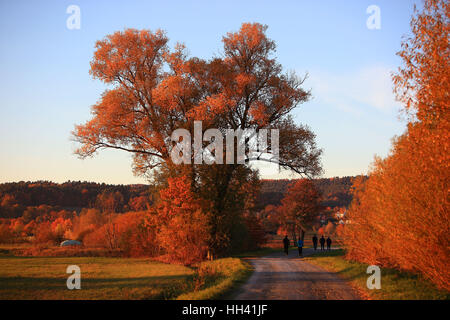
<point x="6" y="235"/>
<point x="183" y="231"/>
<point x="45" y="234"/>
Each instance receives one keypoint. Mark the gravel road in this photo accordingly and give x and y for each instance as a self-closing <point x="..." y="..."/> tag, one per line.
<point x="281" y="277"/>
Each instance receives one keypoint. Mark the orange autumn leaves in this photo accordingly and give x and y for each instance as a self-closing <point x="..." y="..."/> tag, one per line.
<point x="422" y="83"/>
<point x="175" y="228"/>
<point x="156" y="90"/>
<point x="129" y="55"/>
<point x="183" y="231"/>
<point x="299" y="207"/>
<point x="401" y="216"/>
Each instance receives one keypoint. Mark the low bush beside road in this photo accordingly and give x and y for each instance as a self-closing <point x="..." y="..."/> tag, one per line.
<point x="217" y="278"/>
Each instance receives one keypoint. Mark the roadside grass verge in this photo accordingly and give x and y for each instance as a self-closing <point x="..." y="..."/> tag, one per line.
<point x="395" y="285"/>
<point x="215" y="279"/>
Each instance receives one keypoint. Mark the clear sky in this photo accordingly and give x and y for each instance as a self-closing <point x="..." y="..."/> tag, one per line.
<point x="45" y="87"/>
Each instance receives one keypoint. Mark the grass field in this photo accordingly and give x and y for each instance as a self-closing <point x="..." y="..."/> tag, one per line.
<point x="101" y="278"/>
<point x="116" y="278"/>
<point x="395" y="285"/>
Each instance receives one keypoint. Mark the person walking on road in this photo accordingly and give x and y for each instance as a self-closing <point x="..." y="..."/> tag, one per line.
<point x="300" y="247"/>
<point x="322" y="243"/>
<point x="329" y="243"/>
<point x="286" y="244"/>
<point x="315" y="242"/>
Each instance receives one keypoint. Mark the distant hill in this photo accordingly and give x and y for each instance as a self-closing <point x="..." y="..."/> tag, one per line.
<point x="335" y="191"/>
<point x="70" y="195"/>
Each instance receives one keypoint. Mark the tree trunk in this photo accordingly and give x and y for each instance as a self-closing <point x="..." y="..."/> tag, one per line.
<point x="302" y="234"/>
<point x="294" y="235"/>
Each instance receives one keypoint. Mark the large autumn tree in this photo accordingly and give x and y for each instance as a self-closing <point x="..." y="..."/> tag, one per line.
<point x="400" y="217"/>
<point x="155" y="90"/>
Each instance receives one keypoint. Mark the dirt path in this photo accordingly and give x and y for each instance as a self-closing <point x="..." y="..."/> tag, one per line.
<point x="281" y="277"/>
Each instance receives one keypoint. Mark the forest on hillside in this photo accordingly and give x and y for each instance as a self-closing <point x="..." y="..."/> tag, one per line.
<point x="18" y="197"/>
<point x="336" y="192"/>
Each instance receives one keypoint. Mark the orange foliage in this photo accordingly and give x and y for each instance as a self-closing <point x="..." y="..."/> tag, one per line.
<point x="401" y="216"/>
<point x="422" y="83"/>
<point x="330" y="228"/>
<point x="6" y="235"/>
<point x="139" y="203"/>
<point x="183" y="230"/>
<point x="44" y="234"/>
<point x="340" y="229"/>
<point x="300" y="206"/>
<point x="135" y="238"/>
<point x="321" y="231"/>
<point x="60" y="226"/>
<point x="126" y="232"/>
<point x="88" y="221"/>
<point x="158" y="90"/>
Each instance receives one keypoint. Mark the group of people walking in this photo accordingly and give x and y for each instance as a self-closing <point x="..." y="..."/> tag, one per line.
<point x="315" y="240"/>
<point x="322" y="243"/>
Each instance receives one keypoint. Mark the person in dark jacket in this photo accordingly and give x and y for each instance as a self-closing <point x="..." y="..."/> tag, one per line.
<point x="286" y="244"/>
<point x="328" y="243"/>
<point x="315" y="242"/>
<point x="322" y="243"/>
<point x="300" y="247"/>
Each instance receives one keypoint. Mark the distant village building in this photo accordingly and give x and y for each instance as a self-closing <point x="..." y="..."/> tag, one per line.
<point x="341" y="216"/>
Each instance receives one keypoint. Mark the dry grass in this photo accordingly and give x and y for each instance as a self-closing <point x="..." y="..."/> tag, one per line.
<point x="215" y="279"/>
<point x="101" y="278"/>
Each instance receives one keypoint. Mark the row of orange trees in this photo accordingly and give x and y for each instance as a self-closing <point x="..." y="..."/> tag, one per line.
<point x="400" y="216"/>
<point x="175" y="228"/>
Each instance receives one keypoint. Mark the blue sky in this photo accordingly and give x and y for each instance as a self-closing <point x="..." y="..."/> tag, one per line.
<point x="46" y="87"/>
